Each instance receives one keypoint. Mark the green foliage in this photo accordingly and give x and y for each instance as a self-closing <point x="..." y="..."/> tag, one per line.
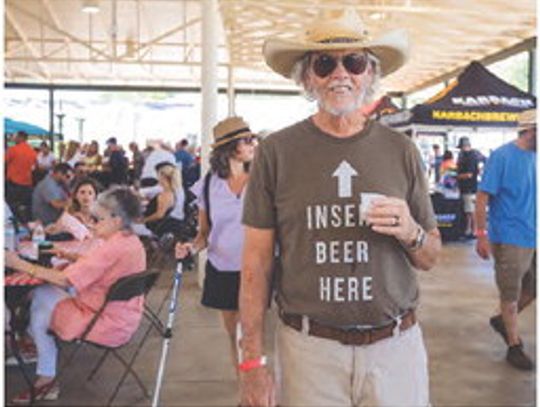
<point x="513" y="70"/>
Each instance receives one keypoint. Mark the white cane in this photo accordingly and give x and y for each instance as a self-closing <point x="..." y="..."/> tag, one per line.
<point x="167" y="335"/>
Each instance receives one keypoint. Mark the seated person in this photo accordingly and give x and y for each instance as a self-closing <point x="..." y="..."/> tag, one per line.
<point x="67" y="304"/>
<point x="159" y="153"/>
<point x="50" y="197"/>
<point x="45" y="161"/>
<point x="92" y="158"/>
<point x="77" y="219"/>
<point x="80" y="171"/>
<point x="165" y="211"/>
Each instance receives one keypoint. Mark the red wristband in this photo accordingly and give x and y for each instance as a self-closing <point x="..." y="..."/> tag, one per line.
<point x="480" y="233"/>
<point x="251" y="364"/>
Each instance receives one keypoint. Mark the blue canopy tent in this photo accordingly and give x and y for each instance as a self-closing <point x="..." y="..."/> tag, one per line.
<point x="12" y="126"/>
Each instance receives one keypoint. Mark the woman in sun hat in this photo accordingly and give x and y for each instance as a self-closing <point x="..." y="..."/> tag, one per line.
<point x="220" y="198"/>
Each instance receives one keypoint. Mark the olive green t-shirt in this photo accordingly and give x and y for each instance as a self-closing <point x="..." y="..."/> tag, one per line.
<point x="307" y="185"/>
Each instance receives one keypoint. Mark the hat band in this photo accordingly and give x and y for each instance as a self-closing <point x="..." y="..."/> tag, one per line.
<point x="339" y="40"/>
<point x="232" y="134"/>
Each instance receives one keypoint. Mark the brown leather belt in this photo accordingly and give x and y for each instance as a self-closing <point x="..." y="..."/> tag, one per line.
<point x="351" y="336"/>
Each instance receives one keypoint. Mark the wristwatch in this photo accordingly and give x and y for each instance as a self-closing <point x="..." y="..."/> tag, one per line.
<point x="419" y="240"/>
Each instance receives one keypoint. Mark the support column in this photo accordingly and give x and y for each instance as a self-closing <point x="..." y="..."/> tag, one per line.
<point x="51" y="118"/>
<point x="209" y="89"/>
<point x="230" y="91"/>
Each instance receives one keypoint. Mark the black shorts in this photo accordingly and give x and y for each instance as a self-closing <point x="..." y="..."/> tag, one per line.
<point x="221" y="288"/>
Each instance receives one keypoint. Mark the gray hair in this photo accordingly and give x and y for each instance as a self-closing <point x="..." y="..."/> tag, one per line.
<point x="300" y="69"/>
<point x="123" y="203"/>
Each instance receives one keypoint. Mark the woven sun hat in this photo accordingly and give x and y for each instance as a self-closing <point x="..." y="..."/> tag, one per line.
<point x="232" y="128"/>
<point x="333" y="33"/>
<point x="527" y="119"/>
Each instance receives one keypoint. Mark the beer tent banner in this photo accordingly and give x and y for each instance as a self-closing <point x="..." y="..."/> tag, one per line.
<point x="476" y="98"/>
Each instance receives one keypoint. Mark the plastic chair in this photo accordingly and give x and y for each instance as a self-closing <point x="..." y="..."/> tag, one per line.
<point x="123" y="290"/>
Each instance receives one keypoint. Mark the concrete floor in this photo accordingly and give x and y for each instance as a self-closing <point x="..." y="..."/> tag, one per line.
<point x="467" y="364"/>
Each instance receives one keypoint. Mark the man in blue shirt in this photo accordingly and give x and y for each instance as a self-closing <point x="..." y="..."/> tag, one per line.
<point x="182" y="155"/>
<point x="50" y="196"/>
<point x="508" y="187"/>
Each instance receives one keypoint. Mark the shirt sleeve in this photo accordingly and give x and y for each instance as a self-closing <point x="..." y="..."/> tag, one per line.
<point x="91" y="267"/>
<point x="419" y="199"/>
<point x="197" y="190"/>
<point x="54" y="192"/>
<point x="259" y="205"/>
<point x="492" y="175"/>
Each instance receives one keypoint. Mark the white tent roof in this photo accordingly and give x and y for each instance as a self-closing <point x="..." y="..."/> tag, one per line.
<point x="158" y="42"/>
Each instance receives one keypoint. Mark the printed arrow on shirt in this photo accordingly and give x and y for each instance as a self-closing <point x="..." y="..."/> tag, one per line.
<point x="344" y="173"/>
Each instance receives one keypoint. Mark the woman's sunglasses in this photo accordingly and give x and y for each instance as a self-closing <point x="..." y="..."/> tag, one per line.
<point x="248" y="140"/>
<point x="355" y="63"/>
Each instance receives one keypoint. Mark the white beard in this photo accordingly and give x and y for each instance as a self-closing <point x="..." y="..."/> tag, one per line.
<point x="360" y="100"/>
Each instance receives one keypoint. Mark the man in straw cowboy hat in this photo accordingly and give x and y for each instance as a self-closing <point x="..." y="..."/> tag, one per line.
<point x="508" y="187"/>
<point x="347" y="200"/>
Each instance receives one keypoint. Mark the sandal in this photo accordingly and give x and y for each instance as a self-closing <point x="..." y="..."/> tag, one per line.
<point x="47" y="392"/>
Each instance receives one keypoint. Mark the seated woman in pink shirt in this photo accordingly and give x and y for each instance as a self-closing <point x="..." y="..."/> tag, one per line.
<point x="67" y="303"/>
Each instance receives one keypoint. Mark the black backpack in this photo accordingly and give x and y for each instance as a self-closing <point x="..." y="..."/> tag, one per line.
<point x="206" y="197"/>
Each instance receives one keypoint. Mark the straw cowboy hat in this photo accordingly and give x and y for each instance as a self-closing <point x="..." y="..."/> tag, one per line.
<point x="232" y="128"/>
<point x="345" y="31"/>
<point x="527" y="119"/>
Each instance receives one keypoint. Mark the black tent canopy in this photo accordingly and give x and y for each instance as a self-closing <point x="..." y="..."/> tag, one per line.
<point x="384" y="106"/>
<point x="477" y="98"/>
<point x="477" y="103"/>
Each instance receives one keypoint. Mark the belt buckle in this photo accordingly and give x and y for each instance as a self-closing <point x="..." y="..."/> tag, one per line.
<point x="352" y="336"/>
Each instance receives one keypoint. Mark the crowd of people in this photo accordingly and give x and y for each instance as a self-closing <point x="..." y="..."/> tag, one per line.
<point x="97" y="200"/>
<point x="331" y="217"/>
<point x="39" y="183"/>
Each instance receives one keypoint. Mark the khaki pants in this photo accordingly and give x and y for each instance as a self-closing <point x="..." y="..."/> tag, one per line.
<point x="321" y="372"/>
<point x="515" y="270"/>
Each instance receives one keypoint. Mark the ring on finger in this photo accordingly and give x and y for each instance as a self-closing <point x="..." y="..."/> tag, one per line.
<point x="397" y="221"/>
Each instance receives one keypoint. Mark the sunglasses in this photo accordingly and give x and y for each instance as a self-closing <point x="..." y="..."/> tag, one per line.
<point x="100" y="218"/>
<point x="355" y="63"/>
<point x="248" y="140"/>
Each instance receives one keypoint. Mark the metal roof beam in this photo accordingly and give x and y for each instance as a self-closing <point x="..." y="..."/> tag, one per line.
<point x="45" y="59"/>
<point x="166" y="34"/>
<point x="15" y="24"/>
<point x="118" y="88"/>
<point x="58" y="30"/>
<point x="291" y="5"/>
<point x="48" y="41"/>
<point x="66" y="40"/>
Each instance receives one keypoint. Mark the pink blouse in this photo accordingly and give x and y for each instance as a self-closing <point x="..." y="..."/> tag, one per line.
<point x="92" y="275"/>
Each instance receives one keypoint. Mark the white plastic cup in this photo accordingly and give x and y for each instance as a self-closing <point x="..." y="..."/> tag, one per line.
<point x="366" y="199"/>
